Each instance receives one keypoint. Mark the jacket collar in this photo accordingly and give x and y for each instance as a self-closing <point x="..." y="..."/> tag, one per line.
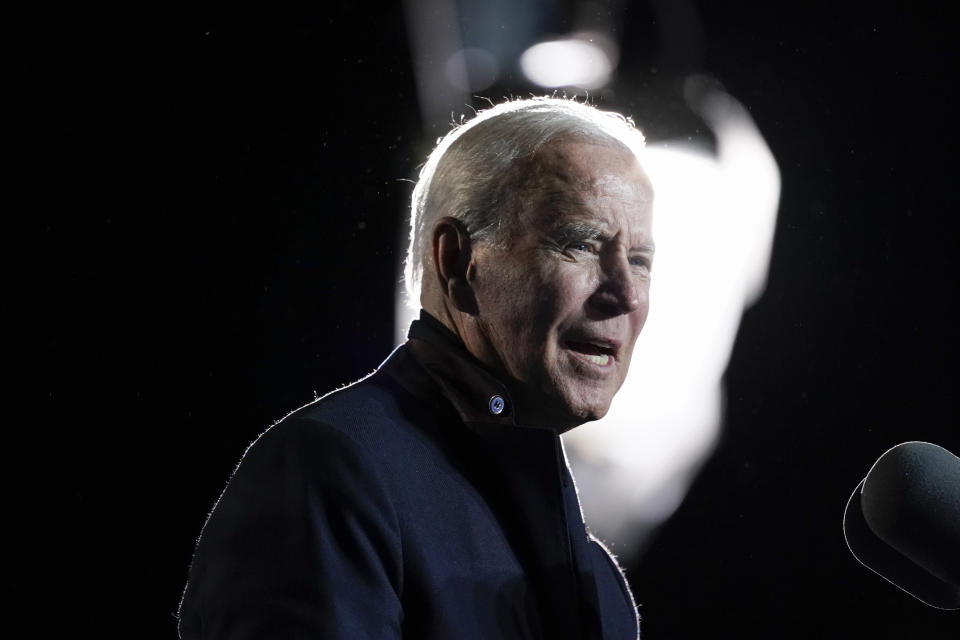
<point x="475" y="392"/>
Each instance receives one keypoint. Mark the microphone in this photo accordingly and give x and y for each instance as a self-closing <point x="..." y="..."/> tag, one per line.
<point x="903" y="522"/>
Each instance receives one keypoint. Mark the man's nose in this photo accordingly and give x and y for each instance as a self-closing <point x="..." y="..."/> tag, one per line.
<point x="619" y="291"/>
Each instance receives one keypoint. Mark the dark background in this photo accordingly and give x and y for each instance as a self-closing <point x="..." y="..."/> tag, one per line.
<point x="213" y="240"/>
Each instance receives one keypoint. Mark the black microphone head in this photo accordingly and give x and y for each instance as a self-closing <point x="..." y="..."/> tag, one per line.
<point x="903" y="522"/>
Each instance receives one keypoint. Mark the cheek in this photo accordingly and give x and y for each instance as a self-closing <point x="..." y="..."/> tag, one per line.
<point x="525" y="302"/>
<point x="571" y="287"/>
<point x="508" y="296"/>
<point x="561" y="291"/>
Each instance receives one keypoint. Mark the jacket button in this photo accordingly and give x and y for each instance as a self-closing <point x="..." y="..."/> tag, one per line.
<point x="497" y="405"/>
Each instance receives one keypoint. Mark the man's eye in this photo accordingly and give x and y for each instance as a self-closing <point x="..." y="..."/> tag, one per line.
<point x="580" y="246"/>
<point x="640" y="261"/>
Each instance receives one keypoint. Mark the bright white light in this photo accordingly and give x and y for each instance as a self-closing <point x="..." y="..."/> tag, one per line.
<point x="714" y="219"/>
<point x="567" y="63"/>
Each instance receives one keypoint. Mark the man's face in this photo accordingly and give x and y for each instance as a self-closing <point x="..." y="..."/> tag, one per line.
<point x="562" y="302"/>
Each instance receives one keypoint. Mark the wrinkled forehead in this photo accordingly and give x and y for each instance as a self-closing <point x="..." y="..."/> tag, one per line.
<point x="581" y="162"/>
<point x="575" y="173"/>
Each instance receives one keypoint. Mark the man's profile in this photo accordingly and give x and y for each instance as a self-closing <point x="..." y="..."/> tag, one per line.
<point x="432" y="499"/>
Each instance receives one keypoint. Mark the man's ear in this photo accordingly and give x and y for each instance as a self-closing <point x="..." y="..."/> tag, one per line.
<point x="452" y="253"/>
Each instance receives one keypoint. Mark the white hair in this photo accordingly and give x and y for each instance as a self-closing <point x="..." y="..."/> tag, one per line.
<point x="476" y="171"/>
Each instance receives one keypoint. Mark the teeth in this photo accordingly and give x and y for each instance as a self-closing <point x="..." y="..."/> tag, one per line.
<point x="601" y="359"/>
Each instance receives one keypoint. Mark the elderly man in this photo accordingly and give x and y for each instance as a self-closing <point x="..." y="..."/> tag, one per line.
<point x="432" y="499"/>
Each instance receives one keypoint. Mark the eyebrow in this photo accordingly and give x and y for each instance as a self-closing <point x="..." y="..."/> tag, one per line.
<point x="577" y="230"/>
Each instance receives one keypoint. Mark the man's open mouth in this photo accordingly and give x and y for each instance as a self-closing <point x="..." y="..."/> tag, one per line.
<point x="596" y="353"/>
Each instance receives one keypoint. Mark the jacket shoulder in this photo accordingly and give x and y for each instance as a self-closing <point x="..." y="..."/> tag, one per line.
<point x="366" y="411"/>
<point x="306" y="524"/>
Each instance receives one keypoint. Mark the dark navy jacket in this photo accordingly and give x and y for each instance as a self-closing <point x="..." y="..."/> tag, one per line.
<point x="400" y="506"/>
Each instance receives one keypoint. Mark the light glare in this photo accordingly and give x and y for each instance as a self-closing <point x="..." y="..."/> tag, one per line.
<point x="567" y="63"/>
<point x="634" y="466"/>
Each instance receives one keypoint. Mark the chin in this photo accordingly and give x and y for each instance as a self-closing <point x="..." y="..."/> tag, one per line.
<point x="568" y="403"/>
<point x="583" y="394"/>
<point x="595" y="413"/>
<point x="588" y="409"/>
